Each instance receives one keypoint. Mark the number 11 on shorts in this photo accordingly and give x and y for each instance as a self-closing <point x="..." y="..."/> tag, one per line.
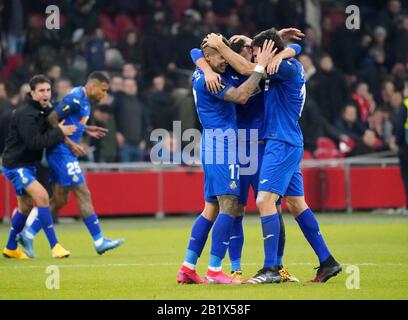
<point x="234" y="170"/>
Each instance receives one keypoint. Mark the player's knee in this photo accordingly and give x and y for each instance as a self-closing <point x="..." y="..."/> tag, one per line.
<point x="42" y="200"/>
<point x="296" y="205"/>
<point x="210" y="211"/>
<point x="263" y="201"/>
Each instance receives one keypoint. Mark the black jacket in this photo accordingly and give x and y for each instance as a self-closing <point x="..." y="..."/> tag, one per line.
<point x="29" y="134"/>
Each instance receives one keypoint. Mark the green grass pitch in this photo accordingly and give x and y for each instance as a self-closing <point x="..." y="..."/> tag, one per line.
<point x="146" y="265"/>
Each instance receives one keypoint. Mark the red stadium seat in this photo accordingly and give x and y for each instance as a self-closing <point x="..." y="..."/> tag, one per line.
<point x="307" y="155"/>
<point x="327" y="149"/>
<point x="123" y="24"/>
<point x="107" y="26"/>
<point x="325" y="143"/>
<point x="179" y="6"/>
<point x="12" y="63"/>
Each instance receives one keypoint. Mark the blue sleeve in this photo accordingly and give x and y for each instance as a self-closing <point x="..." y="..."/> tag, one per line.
<point x="296" y="47"/>
<point x="287" y="70"/>
<point x="196" y="54"/>
<point x="67" y="106"/>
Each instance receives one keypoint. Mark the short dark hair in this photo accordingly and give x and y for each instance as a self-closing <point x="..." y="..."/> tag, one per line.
<point x="38" y="79"/>
<point x="225" y="40"/>
<point x="270" y="34"/>
<point x="238" y="46"/>
<point x="100" y="76"/>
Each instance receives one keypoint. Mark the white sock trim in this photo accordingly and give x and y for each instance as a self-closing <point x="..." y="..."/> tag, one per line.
<point x="215" y="269"/>
<point x="189" y="265"/>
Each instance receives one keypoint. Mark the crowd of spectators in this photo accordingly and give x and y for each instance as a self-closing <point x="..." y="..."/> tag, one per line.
<point x="356" y="79"/>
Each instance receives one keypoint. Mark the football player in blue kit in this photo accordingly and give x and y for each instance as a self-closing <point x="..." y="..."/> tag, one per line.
<point x="66" y="174"/>
<point x="217" y="115"/>
<point x="280" y="174"/>
<point x="249" y="116"/>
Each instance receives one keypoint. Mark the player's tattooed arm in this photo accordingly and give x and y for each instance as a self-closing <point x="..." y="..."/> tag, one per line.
<point x="237" y="62"/>
<point x="241" y="94"/>
<point x="244" y="91"/>
<point x="76" y="149"/>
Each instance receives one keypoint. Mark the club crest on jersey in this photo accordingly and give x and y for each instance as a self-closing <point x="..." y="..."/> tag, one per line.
<point x="223" y="84"/>
<point x="75" y="178"/>
<point x="233" y="185"/>
<point x="24" y="180"/>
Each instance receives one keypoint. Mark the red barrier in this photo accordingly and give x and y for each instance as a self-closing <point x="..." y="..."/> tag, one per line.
<point x="375" y="187"/>
<point x="181" y="191"/>
<point x="120" y="193"/>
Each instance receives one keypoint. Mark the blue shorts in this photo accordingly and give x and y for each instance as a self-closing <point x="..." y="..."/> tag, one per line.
<point x="20" y="177"/>
<point x="65" y="169"/>
<point x="248" y="180"/>
<point x="280" y="170"/>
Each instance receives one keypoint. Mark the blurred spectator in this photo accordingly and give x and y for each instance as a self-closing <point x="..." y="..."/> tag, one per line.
<point x="364" y="101"/>
<point x="131" y="48"/>
<point x="132" y="123"/>
<point x="332" y="92"/>
<point x="104" y="149"/>
<point x="95" y="52"/>
<point x="6" y="109"/>
<point x="161" y="104"/>
<point x="171" y="150"/>
<point x="401" y="42"/>
<point x="310" y="76"/>
<point x="349" y="124"/>
<point x="62" y="87"/>
<point x="14" y="23"/>
<point x="374" y="72"/>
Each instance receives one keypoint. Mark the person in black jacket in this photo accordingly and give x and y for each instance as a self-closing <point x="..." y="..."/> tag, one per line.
<point x="29" y="133"/>
<point x="401" y="135"/>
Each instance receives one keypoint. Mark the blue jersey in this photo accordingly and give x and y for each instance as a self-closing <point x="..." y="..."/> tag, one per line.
<point x="75" y="108"/>
<point x="285" y="94"/>
<point x="217" y="117"/>
<point x="213" y="112"/>
<point x="251" y="114"/>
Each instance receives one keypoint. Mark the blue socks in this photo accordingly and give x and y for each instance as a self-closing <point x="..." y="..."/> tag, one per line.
<point x="310" y="228"/>
<point x="282" y="240"/>
<point x="270" y="231"/>
<point x="45" y="218"/>
<point x="236" y="244"/>
<point x="17" y="225"/>
<point x="92" y="223"/>
<point x="198" y="238"/>
<point x="220" y="240"/>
